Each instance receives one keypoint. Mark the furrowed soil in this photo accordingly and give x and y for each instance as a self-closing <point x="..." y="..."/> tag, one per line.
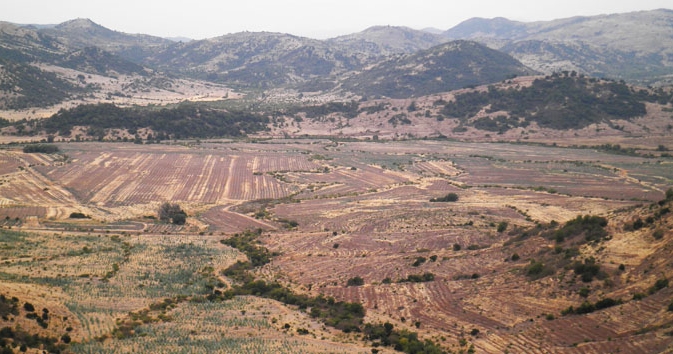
<point x="331" y="211"/>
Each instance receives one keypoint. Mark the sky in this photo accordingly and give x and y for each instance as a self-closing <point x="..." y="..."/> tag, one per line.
<point x="199" y="19"/>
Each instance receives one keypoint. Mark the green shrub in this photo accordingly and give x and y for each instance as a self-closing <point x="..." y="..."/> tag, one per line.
<point x="78" y="215"/>
<point x="41" y="148"/>
<point x="355" y="281"/>
<point x="419" y="261"/>
<point x="588" y="307"/>
<point x="658" y="285"/>
<point x="451" y="197"/>
<point x="172" y="213"/>
<point x="591" y="227"/>
<point x="415" y="278"/>
<point x="537" y="270"/>
<point x="584" y="292"/>
<point x="638" y="224"/>
<point x="587" y="270"/>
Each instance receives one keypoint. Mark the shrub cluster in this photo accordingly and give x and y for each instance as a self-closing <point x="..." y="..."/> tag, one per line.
<point x="345" y="316"/>
<point x="41" y="148"/>
<point x="451" y="197"/>
<point x="591" y="227"/>
<point x="172" y="213"/>
<point x="247" y="243"/>
<point x="588" y="307"/>
<point x="403" y="341"/>
<point x="588" y="270"/>
<point x="418" y="278"/>
<point x="183" y="121"/>
<point x="18" y="337"/>
<point x="559" y="101"/>
<point x="355" y="281"/>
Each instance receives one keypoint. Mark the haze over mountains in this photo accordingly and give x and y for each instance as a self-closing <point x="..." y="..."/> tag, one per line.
<point x="635" y="47"/>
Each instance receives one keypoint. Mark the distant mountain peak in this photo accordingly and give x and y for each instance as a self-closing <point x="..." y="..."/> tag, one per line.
<point x="78" y="23"/>
<point x="387" y="40"/>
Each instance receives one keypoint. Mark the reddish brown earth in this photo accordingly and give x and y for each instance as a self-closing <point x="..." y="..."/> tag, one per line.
<point x="363" y="209"/>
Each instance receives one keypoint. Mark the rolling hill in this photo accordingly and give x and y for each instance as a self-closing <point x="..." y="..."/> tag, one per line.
<point x="442" y="68"/>
<point x="252" y="59"/>
<point x="82" y="33"/>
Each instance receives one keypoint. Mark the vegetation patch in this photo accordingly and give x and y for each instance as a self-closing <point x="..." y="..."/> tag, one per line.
<point x="173" y="213"/>
<point x="589" y="307"/>
<point x="418" y="278"/>
<point x="184" y="121"/>
<point x="560" y="101"/>
<point x="384" y="334"/>
<point x="345" y="316"/>
<point x="41" y="148"/>
<point x="17" y="337"/>
<point x="451" y="197"/>
<point x="591" y="227"/>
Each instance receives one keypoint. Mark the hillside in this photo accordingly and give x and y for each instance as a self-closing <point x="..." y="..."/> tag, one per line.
<point x="567" y="108"/>
<point x="381" y="61"/>
<point x="46" y="69"/>
<point x="25" y="86"/>
<point x="26" y="45"/>
<point x="561" y="102"/>
<point x="255" y="60"/>
<point x="83" y="33"/>
<point x="184" y="121"/>
<point x="632" y="46"/>
<point x="442" y="68"/>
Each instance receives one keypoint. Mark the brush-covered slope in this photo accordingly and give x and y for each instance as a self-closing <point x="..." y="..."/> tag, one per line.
<point x="441" y="68"/>
<point x="82" y="33"/>
<point x="253" y="59"/>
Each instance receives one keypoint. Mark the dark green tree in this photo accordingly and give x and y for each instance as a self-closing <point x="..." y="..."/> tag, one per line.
<point x="172" y="213"/>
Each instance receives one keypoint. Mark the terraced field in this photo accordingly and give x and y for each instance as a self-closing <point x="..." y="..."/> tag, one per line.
<point x="330" y="212"/>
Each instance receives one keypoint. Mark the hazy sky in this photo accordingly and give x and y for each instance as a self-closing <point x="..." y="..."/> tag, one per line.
<point x="200" y="19"/>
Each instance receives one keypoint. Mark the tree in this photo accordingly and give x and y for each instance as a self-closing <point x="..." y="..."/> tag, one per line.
<point x="172" y="213"/>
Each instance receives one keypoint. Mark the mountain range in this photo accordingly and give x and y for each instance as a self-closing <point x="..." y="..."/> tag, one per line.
<point x="382" y="61"/>
<point x="636" y="47"/>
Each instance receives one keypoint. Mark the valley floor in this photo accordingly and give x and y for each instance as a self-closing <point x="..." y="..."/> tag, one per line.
<point x="331" y="211"/>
